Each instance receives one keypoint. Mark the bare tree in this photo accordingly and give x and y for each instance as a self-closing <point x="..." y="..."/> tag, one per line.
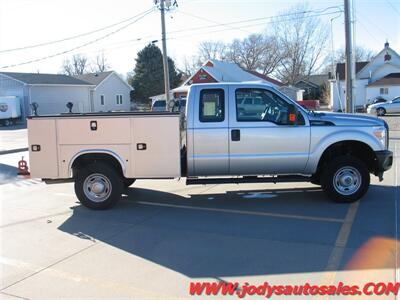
<point x="100" y="64"/>
<point x="360" y="53"/>
<point x="257" y="52"/>
<point x="76" y="65"/>
<point x="302" y="37"/>
<point x="211" y="50"/>
<point x="248" y="52"/>
<point x="190" y="65"/>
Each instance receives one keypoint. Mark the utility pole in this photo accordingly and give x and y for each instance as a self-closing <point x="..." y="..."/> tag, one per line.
<point x="164" y="52"/>
<point x="350" y="64"/>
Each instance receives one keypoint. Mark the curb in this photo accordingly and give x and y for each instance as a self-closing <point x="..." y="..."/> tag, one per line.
<point x="13" y="151"/>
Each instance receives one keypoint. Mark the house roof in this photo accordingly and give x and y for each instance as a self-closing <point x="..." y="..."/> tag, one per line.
<point x="390" y="79"/>
<point x="319" y="79"/>
<point x="94" y="78"/>
<point x="223" y="71"/>
<point x="229" y="72"/>
<point x="266" y="78"/>
<point x="341" y="70"/>
<point x="38" y="78"/>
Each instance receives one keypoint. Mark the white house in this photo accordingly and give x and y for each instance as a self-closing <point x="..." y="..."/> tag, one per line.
<point x="102" y="92"/>
<point x="50" y="91"/>
<point x="378" y="77"/>
<point x="110" y="92"/>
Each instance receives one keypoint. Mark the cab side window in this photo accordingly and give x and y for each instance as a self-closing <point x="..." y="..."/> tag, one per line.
<point x="212" y="107"/>
<point x="259" y="105"/>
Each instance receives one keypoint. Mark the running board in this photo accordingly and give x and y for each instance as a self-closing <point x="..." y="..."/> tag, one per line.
<point x="249" y="179"/>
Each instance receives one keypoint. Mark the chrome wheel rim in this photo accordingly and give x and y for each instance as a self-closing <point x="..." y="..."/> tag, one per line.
<point x="97" y="187"/>
<point x="380" y="112"/>
<point x="347" y="181"/>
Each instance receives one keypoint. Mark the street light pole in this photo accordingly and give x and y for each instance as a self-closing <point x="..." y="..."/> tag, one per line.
<point x="350" y="65"/>
<point x="164" y="52"/>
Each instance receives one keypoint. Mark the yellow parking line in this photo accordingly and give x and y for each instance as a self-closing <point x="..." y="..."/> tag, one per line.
<point x="342" y="238"/>
<point x="244" y="212"/>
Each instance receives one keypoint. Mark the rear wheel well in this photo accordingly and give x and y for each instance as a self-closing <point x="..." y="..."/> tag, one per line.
<point x="353" y="148"/>
<point x="89" y="158"/>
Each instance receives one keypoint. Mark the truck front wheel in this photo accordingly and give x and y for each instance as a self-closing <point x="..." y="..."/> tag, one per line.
<point x="345" y="179"/>
<point x="98" y="186"/>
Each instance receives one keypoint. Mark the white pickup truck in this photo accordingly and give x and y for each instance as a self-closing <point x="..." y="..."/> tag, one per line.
<point x="223" y="137"/>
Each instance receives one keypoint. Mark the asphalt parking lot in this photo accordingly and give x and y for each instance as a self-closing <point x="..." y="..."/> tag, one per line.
<point x="163" y="235"/>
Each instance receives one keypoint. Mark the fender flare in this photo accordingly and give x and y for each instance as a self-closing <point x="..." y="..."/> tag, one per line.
<point x="97" y="151"/>
<point x="350" y="136"/>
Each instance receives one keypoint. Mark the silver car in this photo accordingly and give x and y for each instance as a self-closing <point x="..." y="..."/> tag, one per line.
<point x="381" y="109"/>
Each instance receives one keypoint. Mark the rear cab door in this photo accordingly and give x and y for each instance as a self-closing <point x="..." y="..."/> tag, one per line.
<point x="207" y="131"/>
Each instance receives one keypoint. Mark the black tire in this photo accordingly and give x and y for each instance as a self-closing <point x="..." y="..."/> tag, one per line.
<point x="100" y="174"/>
<point x="128" y="182"/>
<point x="341" y="167"/>
<point x="380" y="111"/>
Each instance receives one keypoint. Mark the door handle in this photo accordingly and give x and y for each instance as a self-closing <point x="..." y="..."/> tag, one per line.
<point x="235" y="135"/>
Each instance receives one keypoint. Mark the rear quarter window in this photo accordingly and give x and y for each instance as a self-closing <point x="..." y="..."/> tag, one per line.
<point x="212" y="107"/>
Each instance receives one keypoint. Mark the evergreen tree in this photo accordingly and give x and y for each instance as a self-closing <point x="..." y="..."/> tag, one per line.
<point x="148" y="77"/>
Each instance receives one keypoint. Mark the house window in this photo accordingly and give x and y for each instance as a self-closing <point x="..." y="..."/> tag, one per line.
<point x="202" y="76"/>
<point x="102" y="100"/>
<point x="119" y="99"/>
<point x="383" y="91"/>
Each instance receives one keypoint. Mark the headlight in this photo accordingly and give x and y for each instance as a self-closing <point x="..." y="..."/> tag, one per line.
<point x="380" y="134"/>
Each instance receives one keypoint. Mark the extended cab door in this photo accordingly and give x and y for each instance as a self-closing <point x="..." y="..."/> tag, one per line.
<point x="207" y="135"/>
<point x="260" y="139"/>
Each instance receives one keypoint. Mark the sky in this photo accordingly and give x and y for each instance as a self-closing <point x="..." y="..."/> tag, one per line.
<point x="31" y="22"/>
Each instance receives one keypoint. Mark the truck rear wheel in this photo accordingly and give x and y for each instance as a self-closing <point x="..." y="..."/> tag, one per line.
<point x="345" y="179"/>
<point x="98" y="186"/>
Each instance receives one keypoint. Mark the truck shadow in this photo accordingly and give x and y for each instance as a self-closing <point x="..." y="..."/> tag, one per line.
<point x="7" y="173"/>
<point x="238" y="233"/>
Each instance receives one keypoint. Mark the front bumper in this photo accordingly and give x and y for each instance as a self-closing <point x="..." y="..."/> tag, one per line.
<point x="384" y="160"/>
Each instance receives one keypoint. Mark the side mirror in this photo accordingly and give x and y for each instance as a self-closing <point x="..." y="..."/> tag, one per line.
<point x="292" y="115"/>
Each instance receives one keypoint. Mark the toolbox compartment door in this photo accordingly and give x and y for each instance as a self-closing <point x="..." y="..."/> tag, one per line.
<point x="43" y="154"/>
<point x="93" y="131"/>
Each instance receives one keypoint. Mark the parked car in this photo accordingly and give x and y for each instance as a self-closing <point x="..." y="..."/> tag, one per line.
<point x="381" y="109"/>
<point x="376" y="100"/>
<point x="250" y="106"/>
<point x="159" y="105"/>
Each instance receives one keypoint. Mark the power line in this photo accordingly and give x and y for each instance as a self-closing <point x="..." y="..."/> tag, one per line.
<point x="139" y="40"/>
<point x="318" y="13"/>
<point x="394" y="8"/>
<point x="302" y="15"/>
<point x="75" y="36"/>
<point x="80" y="46"/>
<point x="237" y="22"/>
<point x="211" y="21"/>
